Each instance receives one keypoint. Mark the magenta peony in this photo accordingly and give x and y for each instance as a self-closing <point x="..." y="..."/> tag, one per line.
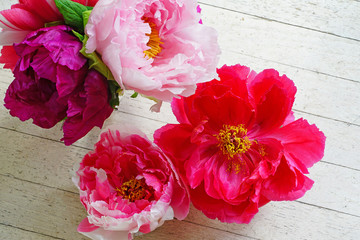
<point x="23" y="18"/>
<point x="52" y="82"/>
<point x="155" y="47"/>
<point x="237" y="145"/>
<point x="128" y="185"/>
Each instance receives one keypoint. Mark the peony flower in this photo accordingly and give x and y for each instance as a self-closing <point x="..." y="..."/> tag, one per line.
<point x="52" y="82"/>
<point x="155" y="47"/>
<point x="237" y="145"/>
<point x="128" y="185"/>
<point x="87" y="108"/>
<point x="23" y="18"/>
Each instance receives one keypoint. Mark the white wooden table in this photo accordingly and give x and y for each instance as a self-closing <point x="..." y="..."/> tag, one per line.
<point x="314" y="42"/>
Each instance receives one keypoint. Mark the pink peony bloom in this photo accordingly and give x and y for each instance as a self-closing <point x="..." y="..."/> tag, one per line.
<point x="128" y="185"/>
<point x="155" y="47"/>
<point x="23" y="18"/>
<point x="238" y="146"/>
<point x="52" y="82"/>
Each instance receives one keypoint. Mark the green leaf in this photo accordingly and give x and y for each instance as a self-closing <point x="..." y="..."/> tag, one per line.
<point x="135" y="94"/>
<point x="55" y="23"/>
<point x="86" y="16"/>
<point x="78" y="35"/>
<point x="72" y="13"/>
<point x="96" y="62"/>
<point x="114" y="92"/>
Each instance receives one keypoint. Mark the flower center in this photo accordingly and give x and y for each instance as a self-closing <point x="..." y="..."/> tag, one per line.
<point x="135" y="189"/>
<point x="154" y="41"/>
<point x="233" y="140"/>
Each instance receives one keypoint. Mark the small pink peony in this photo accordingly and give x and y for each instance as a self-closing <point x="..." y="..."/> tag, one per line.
<point x="238" y="146"/>
<point x="128" y="185"/>
<point x="155" y="47"/>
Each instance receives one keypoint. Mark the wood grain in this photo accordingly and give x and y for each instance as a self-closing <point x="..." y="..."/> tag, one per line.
<point x="335" y="17"/>
<point x="299" y="47"/>
<point x="314" y="42"/>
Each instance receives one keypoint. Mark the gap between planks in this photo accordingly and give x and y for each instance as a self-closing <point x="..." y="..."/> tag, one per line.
<point x="281" y="22"/>
<point x="318" y="194"/>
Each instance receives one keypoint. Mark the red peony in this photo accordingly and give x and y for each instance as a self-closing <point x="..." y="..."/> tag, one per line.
<point x="237" y="144"/>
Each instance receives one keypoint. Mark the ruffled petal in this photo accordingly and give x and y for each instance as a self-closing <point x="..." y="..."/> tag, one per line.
<point x="175" y="140"/>
<point x="302" y="141"/>
<point x="273" y="97"/>
<point x="217" y="208"/>
<point x="87" y="109"/>
<point x="8" y="57"/>
<point x="20" y="19"/>
<point x="37" y="100"/>
<point x="228" y="109"/>
<point x="288" y="183"/>
<point x="236" y="77"/>
<point x="44" y="9"/>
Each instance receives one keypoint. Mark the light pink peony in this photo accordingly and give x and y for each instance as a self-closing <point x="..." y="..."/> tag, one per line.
<point x="155" y="47"/>
<point x="128" y="185"/>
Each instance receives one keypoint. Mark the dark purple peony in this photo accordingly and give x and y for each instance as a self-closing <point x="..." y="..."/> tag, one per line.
<point x="52" y="82"/>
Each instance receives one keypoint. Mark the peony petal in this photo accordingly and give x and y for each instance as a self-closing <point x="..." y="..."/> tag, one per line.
<point x="288" y="183"/>
<point x="180" y="201"/>
<point x="102" y="234"/>
<point x="273" y="97"/>
<point x="175" y="140"/>
<point x="37" y="100"/>
<point x="67" y="81"/>
<point x="8" y="57"/>
<point x="21" y="19"/>
<point x="85" y="226"/>
<point x="303" y="141"/>
<point x="90" y="3"/>
<point x="236" y="77"/>
<point x="214" y="208"/>
<point x="94" y="110"/>
<point x="228" y="109"/>
<point x="44" y="9"/>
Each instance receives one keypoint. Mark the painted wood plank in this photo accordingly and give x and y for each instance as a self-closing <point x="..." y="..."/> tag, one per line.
<point x="135" y="111"/>
<point x="187" y="230"/>
<point x="7" y="4"/>
<point x="335" y="17"/>
<point x="57" y="213"/>
<point x="315" y="90"/>
<point x="24" y="162"/>
<point x="12" y="233"/>
<point x="317" y="93"/>
<point x="331" y="16"/>
<point x="40" y="209"/>
<point x="288" y="220"/>
<point x="284" y="44"/>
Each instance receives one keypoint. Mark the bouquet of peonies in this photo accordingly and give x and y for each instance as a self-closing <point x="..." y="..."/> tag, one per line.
<point x="237" y="145"/>
<point x="72" y="59"/>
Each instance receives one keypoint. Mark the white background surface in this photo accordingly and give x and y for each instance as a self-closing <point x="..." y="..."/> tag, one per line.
<point x="315" y="43"/>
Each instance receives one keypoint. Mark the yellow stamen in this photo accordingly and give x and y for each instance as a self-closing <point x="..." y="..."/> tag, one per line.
<point x="154" y="40"/>
<point x="233" y="140"/>
<point x="134" y="189"/>
<point x="236" y="165"/>
<point x="262" y="151"/>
